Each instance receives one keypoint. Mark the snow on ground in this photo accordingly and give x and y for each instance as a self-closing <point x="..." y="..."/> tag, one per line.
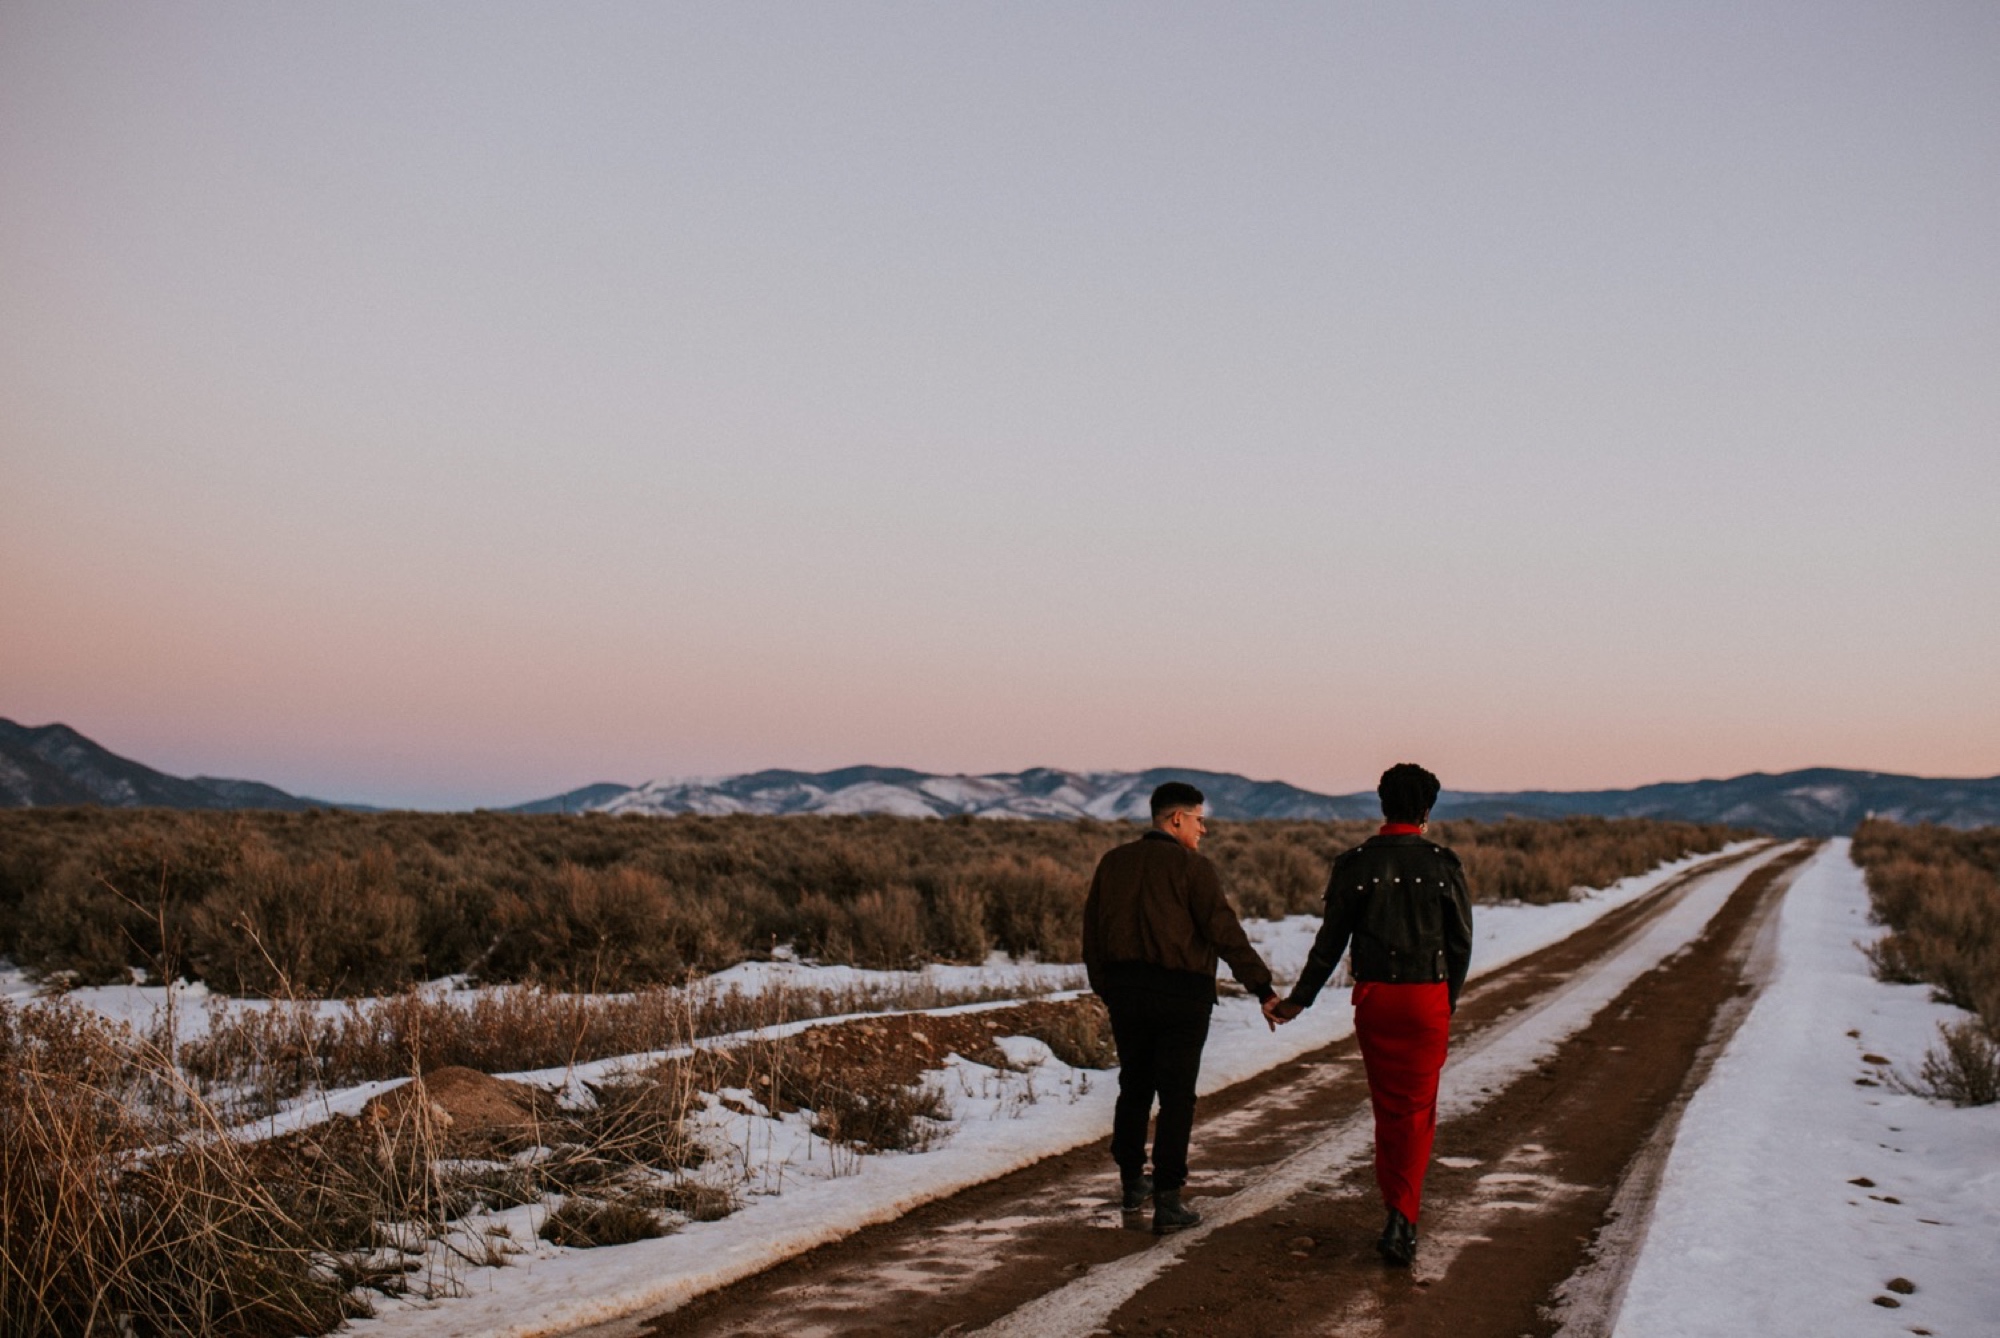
<point x="1760" y="1226"/>
<point x="997" y="973"/>
<point x="799" y="1192"/>
<point x="137" y="1005"/>
<point x="140" y="1005"/>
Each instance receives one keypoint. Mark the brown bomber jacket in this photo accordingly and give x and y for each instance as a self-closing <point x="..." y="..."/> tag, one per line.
<point x="1156" y="920"/>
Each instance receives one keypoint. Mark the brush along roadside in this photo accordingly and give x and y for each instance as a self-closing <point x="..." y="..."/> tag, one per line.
<point x="126" y="1205"/>
<point x="1938" y="892"/>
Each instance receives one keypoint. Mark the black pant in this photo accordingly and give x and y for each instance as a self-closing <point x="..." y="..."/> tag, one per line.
<point x="1159" y="1054"/>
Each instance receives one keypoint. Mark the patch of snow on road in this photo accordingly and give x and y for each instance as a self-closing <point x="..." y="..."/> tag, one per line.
<point x="1760" y="1226"/>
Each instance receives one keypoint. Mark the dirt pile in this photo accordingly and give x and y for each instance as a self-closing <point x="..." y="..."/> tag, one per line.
<point x="468" y="1110"/>
<point x="902" y="1048"/>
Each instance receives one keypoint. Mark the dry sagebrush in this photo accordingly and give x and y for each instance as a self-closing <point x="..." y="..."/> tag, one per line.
<point x="1938" y="891"/>
<point x="327" y="903"/>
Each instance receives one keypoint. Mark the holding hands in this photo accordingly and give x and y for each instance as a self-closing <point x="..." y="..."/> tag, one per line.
<point x="1279" y="1011"/>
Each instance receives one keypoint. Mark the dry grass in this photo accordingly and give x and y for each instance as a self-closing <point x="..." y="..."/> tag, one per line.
<point x="1938" y="891"/>
<point x="127" y="1206"/>
<point x="862" y="1104"/>
<point x="252" y="1061"/>
<point x="327" y="903"/>
<point x="124" y="1207"/>
<point x="1963" y="1067"/>
<point x="582" y="1223"/>
<point x="1080" y="1036"/>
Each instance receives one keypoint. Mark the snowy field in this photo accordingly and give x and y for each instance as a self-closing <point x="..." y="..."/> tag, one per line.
<point x="140" y="1005"/>
<point x="800" y="1192"/>
<point x="1762" y="1225"/>
<point x="1759" y="1227"/>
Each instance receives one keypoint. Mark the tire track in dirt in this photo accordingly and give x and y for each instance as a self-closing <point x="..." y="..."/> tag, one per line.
<point x="1287" y="1148"/>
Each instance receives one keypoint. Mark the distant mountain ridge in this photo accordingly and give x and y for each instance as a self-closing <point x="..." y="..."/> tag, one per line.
<point x="1816" y="802"/>
<point x="49" y="766"/>
<point x="1040" y="792"/>
<point x="52" y="765"/>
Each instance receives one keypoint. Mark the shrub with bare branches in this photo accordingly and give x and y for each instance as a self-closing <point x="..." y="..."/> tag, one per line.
<point x="356" y="903"/>
<point x="1963" y="1067"/>
<point x="1938" y="891"/>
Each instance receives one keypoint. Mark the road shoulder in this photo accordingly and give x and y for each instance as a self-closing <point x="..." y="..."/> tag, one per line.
<point x="1762" y="1224"/>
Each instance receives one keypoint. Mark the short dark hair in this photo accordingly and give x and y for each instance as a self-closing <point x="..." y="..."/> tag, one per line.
<point x="1408" y="792"/>
<point x="1173" y="795"/>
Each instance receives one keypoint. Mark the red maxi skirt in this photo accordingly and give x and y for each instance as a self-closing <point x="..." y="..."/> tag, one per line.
<point x="1402" y="1030"/>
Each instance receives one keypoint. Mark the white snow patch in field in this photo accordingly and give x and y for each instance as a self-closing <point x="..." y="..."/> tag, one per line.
<point x="999" y="972"/>
<point x="1758" y="1228"/>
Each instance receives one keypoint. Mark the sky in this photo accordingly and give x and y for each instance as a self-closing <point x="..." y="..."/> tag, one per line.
<point x="451" y="404"/>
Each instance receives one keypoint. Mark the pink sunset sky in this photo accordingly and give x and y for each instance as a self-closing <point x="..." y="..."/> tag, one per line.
<point x="451" y="404"/>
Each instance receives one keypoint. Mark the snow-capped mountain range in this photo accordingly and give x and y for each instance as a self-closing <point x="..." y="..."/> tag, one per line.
<point x="1041" y="792"/>
<point x="1818" y="802"/>
<point x="53" y="765"/>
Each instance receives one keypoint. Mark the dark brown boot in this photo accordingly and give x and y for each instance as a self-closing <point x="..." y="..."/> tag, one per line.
<point x="1168" y="1213"/>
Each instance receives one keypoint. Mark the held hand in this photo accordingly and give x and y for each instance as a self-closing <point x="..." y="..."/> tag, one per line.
<point x="1278" y="1011"/>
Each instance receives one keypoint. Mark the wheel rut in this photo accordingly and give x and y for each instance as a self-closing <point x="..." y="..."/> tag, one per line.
<point x="1531" y="1154"/>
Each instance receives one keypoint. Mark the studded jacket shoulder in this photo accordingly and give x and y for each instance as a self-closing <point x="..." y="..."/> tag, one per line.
<point x="1403" y="903"/>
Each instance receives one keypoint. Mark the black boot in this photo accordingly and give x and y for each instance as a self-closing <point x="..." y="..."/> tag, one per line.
<point x="1168" y="1213"/>
<point x="1138" y="1188"/>
<point x="1399" y="1240"/>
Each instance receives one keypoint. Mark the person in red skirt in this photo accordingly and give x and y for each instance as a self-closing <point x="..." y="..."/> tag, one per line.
<point x="1402" y="902"/>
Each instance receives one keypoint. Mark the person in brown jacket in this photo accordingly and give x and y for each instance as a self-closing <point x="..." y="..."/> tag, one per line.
<point x="1153" y="926"/>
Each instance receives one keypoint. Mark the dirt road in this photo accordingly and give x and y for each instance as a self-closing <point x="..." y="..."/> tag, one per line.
<point x="1568" y="1071"/>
